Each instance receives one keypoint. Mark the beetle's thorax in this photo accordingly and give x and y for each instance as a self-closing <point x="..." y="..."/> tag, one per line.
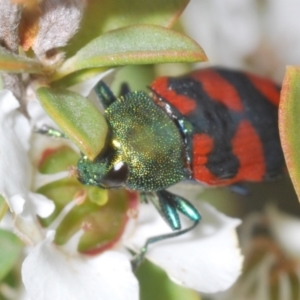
<point x="147" y="140"/>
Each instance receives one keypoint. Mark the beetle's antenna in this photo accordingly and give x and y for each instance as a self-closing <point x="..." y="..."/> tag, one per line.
<point x="73" y="171"/>
<point x="138" y="259"/>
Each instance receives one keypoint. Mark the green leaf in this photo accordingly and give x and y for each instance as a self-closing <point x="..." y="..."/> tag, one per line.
<point x="105" y="15"/>
<point x="141" y="44"/>
<point x="3" y="207"/>
<point x="18" y="64"/>
<point x="11" y="248"/>
<point x="78" y="118"/>
<point x="155" y="284"/>
<point x="289" y="123"/>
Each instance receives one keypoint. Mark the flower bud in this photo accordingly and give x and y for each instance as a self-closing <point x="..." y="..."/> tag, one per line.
<point x="58" y="22"/>
<point x="10" y="15"/>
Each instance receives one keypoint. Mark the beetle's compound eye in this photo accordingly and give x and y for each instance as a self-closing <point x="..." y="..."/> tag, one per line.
<point x="117" y="176"/>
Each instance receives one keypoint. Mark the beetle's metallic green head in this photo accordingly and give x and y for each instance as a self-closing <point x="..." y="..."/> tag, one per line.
<point x="102" y="173"/>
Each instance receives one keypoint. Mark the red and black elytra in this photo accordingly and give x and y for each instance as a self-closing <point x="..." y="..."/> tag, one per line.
<point x="234" y="120"/>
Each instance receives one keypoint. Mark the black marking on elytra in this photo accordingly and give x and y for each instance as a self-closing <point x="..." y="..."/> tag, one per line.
<point x="212" y="118"/>
<point x="263" y="116"/>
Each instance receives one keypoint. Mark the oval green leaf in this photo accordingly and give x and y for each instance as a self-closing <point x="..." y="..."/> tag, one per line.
<point x="141" y="44"/>
<point x="105" y="15"/>
<point x="78" y="118"/>
<point x="18" y="64"/>
<point x="289" y="123"/>
<point x="11" y="248"/>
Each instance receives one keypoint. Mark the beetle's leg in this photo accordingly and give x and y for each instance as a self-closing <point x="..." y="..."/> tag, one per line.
<point x="124" y="89"/>
<point x="105" y="94"/>
<point x="50" y="131"/>
<point x="168" y="206"/>
<point x="144" y="198"/>
<point x="239" y="189"/>
<point x="183" y="206"/>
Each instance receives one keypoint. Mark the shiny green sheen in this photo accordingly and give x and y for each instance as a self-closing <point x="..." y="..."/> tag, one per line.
<point x="186" y="208"/>
<point x="167" y="210"/>
<point x="148" y="141"/>
<point x="91" y="172"/>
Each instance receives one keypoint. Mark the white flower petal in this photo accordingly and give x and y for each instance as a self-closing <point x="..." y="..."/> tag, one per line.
<point x="206" y="259"/>
<point x="48" y="273"/>
<point x="15" y="169"/>
<point x="16" y="204"/>
<point x="84" y="88"/>
<point x="285" y="229"/>
<point x="219" y="19"/>
<point x="7" y="222"/>
<point x="281" y="31"/>
<point x="8" y="102"/>
<point x="253" y="285"/>
<point x="41" y="205"/>
<point x="37" y="114"/>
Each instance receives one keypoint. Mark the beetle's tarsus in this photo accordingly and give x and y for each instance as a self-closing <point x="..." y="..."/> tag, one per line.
<point x="50" y="131"/>
<point x="239" y="189"/>
<point x="138" y="259"/>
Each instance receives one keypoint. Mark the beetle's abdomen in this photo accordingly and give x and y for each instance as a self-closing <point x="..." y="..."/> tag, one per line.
<point x="148" y="141"/>
<point x="234" y="118"/>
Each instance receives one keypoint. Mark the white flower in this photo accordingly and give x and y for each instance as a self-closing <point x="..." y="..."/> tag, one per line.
<point x="256" y="35"/>
<point x="207" y="259"/>
<point x="228" y="30"/>
<point x="272" y="261"/>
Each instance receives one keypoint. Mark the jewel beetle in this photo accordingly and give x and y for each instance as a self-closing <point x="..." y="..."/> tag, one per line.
<point x="215" y="126"/>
